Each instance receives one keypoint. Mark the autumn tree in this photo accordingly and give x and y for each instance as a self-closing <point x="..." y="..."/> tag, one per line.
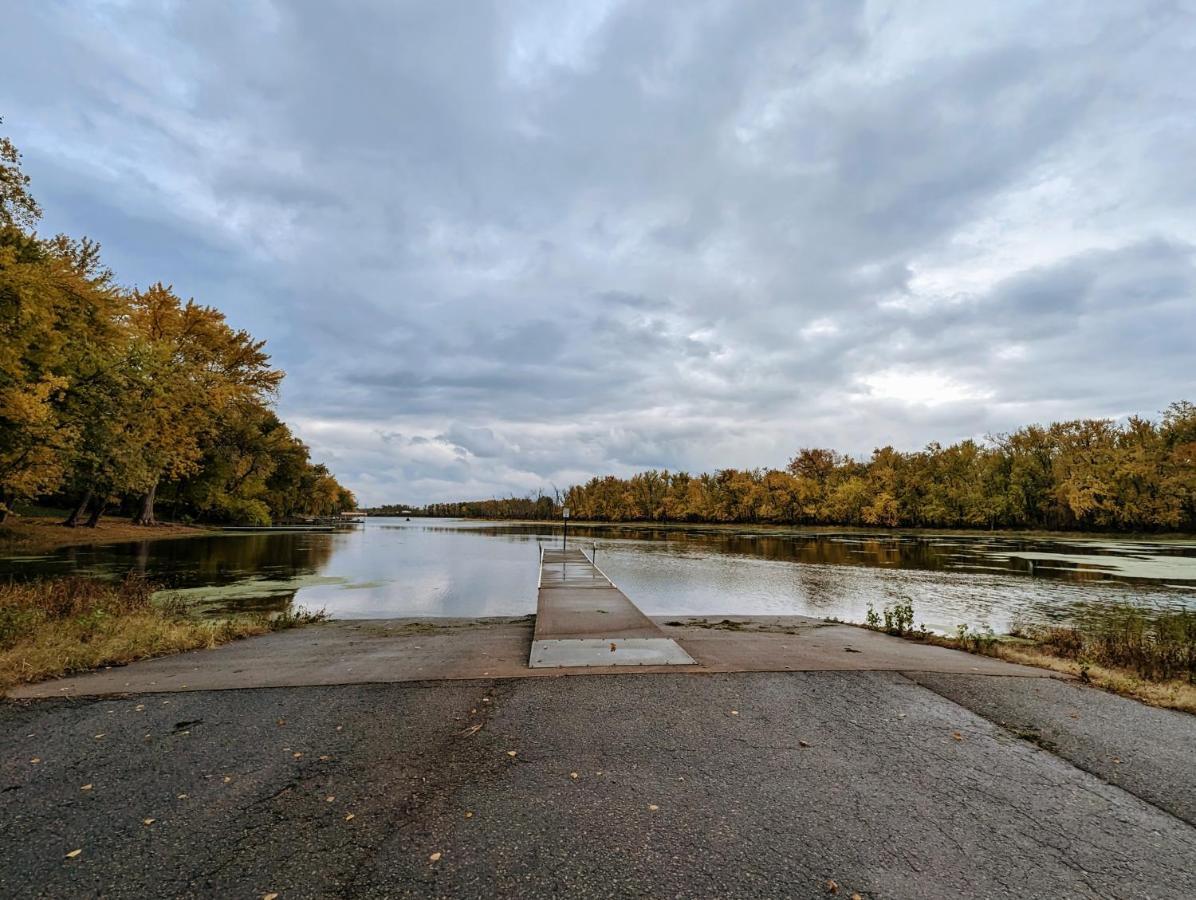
<point x="108" y="394"/>
<point x="201" y="368"/>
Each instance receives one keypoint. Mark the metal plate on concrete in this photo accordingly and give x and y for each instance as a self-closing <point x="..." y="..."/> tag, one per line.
<point x="614" y="651"/>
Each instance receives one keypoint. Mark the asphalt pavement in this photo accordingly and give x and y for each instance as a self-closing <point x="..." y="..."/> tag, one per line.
<point x="798" y="784"/>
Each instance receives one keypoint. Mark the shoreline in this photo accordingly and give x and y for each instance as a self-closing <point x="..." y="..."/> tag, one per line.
<point x="44" y="534"/>
<point x="436" y="648"/>
<point x="415" y="649"/>
<point x="751" y="528"/>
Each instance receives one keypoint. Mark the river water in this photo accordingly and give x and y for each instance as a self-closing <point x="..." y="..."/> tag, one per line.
<point x="446" y="567"/>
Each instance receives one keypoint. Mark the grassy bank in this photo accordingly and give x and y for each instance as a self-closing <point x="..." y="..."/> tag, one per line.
<point x="1141" y="653"/>
<point x="54" y="627"/>
<point x="41" y="534"/>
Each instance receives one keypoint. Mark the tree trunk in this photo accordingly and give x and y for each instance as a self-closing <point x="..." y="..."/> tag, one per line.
<point x="146" y="514"/>
<point x="6" y="501"/>
<point x="77" y="513"/>
<point x="96" y="511"/>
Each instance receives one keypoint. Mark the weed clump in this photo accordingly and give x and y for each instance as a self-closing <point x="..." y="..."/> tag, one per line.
<point x="898" y="618"/>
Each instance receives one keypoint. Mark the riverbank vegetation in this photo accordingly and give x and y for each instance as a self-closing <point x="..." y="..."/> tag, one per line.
<point x="1085" y="475"/>
<point x="53" y="627"/>
<point x="1125" y="648"/>
<point x="133" y="399"/>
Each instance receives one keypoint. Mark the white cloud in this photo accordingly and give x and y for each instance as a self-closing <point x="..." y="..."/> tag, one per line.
<point x="920" y="387"/>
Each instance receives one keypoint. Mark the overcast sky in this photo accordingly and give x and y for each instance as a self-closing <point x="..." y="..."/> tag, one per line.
<point x="504" y="247"/>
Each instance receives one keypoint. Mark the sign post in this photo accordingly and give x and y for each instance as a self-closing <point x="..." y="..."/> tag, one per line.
<point x="565" y="516"/>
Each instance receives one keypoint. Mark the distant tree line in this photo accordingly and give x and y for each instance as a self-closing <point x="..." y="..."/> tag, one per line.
<point x="1088" y="474"/>
<point x="537" y="507"/>
<point x="111" y="397"/>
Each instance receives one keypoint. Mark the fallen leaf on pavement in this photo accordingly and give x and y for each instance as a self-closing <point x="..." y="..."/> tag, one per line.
<point x="832" y="886"/>
<point x="87" y="787"/>
<point x="349" y="817"/>
<point x="181" y="797"/>
<point x="272" y="896"/>
<point x="296" y="755"/>
<point x="802" y="744"/>
<point x="100" y="735"/>
<point x="471" y="730"/>
<point x="329" y="798"/>
<point x="325" y="758"/>
<point x="435" y="857"/>
<point x="227" y="779"/>
<point x="468" y="814"/>
<point x="956" y="735"/>
<point x="653" y="807"/>
<point x="573" y="775"/>
<point x="36" y="760"/>
<point x="74" y="853"/>
<point x="512" y="752"/>
<point x="734" y="712"/>
<point x="148" y="821"/>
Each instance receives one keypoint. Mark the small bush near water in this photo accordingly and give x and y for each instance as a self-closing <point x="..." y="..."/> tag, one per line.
<point x="53" y="627"/>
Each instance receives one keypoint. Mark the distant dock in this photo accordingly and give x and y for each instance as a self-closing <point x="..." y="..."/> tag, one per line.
<point x="583" y="619"/>
<point x="306" y="529"/>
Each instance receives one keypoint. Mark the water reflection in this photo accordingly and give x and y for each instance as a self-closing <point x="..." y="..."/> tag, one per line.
<point x="392" y="567"/>
<point x="251" y="572"/>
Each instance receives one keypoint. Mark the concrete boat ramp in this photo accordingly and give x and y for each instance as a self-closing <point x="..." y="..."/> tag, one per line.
<point x="584" y="625"/>
<point x="583" y="619"/>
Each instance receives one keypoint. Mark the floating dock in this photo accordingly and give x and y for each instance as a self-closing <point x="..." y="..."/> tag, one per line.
<point x="582" y="619"/>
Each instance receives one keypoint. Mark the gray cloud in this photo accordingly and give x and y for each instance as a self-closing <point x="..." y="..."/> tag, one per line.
<point x="502" y="247"/>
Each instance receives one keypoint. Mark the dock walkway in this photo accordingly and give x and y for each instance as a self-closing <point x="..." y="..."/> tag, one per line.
<point x="583" y="619"/>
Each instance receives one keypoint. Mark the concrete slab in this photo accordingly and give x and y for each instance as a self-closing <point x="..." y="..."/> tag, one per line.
<point x="612" y="651"/>
<point x="590" y="613"/>
<point x="583" y="620"/>
<point x="397" y="650"/>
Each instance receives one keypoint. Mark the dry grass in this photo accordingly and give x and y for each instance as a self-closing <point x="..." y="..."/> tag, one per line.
<point x="1172" y="693"/>
<point x="1157" y="646"/>
<point x="40" y="534"/>
<point x="1146" y="654"/>
<point x="55" y="627"/>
